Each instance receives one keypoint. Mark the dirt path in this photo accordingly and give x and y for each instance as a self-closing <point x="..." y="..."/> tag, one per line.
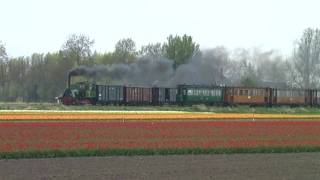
<point x="238" y="166"/>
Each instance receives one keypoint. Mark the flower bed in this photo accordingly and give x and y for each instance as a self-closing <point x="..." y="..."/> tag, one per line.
<point x="125" y="115"/>
<point x="44" y="136"/>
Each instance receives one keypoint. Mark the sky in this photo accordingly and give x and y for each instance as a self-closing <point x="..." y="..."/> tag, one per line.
<point x="41" y="26"/>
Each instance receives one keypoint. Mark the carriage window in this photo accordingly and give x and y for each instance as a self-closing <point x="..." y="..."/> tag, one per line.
<point x="259" y="92"/>
<point x="251" y="92"/>
<point x="246" y="92"/>
<point x="218" y="93"/>
<point x="189" y="92"/>
<point x="196" y="92"/>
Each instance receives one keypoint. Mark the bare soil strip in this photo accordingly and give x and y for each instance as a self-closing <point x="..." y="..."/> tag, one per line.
<point x="236" y="166"/>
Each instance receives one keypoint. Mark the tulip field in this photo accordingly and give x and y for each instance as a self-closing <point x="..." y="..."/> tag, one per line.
<point x="70" y="132"/>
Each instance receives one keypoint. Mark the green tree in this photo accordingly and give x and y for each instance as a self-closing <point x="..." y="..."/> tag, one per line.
<point x="105" y="58"/>
<point x="125" y="50"/>
<point x="17" y="71"/>
<point x="78" y="48"/>
<point x="306" y="58"/>
<point x="180" y="49"/>
<point x="152" y="50"/>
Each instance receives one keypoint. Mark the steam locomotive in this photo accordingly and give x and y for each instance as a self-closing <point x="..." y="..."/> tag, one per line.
<point x="90" y="93"/>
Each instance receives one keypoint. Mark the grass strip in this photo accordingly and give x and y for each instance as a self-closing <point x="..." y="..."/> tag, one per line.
<point x="150" y="152"/>
<point x="193" y="108"/>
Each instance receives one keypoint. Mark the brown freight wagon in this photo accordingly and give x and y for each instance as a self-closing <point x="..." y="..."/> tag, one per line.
<point x="248" y="95"/>
<point x="291" y="97"/>
<point x="138" y="95"/>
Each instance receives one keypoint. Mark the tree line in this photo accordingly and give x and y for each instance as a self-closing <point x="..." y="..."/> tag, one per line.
<point x="42" y="77"/>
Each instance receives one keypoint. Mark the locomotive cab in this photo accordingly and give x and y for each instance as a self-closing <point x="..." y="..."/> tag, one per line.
<point x="80" y="93"/>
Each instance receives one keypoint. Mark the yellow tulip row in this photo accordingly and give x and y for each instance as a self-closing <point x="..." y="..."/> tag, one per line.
<point x="144" y="116"/>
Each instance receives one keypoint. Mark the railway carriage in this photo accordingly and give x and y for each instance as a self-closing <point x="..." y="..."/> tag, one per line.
<point x="248" y="96"/>
<point x="197" y="94"/>
<point x="110" y="94"/>
<point x="293" y="97"/>
<point x="161" y="95"/>
<point x="171" y="95"/>
<point x="138" y="95"/>
<point x="314" y="97"/>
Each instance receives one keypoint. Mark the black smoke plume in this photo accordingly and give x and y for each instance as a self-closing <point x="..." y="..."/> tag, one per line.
<point x="205" y="69"/>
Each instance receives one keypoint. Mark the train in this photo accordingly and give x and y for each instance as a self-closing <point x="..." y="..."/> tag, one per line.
<point x="103" y="94"/>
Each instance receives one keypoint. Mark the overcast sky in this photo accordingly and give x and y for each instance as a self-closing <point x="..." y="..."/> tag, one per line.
<point x="29" y="26"/>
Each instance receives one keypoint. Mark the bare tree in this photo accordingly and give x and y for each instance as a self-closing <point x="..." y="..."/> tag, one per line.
<point x="78" y="48"/>
<point x="306" y="59"/>
<point x="3" y="68"/>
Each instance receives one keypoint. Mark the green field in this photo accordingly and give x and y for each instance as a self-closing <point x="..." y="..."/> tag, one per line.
<point x="194" y="108"/>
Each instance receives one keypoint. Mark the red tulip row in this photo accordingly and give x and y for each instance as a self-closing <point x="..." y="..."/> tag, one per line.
<point x="25" y="136"/>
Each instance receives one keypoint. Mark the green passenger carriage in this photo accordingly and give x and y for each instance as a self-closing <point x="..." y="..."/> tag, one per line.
<point x="195" y="94"/>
